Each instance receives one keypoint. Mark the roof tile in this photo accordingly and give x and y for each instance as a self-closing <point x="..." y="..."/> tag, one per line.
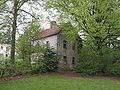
<point x="48" y="32"/>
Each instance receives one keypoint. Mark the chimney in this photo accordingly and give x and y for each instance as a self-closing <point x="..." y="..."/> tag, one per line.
<point x="53" y="24"/>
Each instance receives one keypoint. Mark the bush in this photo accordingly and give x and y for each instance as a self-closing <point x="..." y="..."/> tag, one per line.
<point x="113" y="69"/>
<point x="51" y="60"/>
<point x="46" y="62"/>
<point x="39" y="66"/>
<point x="21" y="68"/>
<point x="2" y="70"/>
<point x="89" y="67"/>
<point x="5" y="67"/>
<point x="91" y="64"/>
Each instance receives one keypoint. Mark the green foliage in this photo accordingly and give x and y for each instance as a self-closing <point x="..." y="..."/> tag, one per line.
<point x="51" y="60"/>
<point x="90" y="64"/>
<point x="11" y="18"/>
<point x="5" y="37"/>
<point x="2" y="4"/>
<point x="5" y="68"/>
<point x="22" y="68"/>
<point x="39" y="66"/>
<point x="24" y="45"/>
<point x="98" y="19"/>
<point x="19" y="68"/>
<point x="89" y="67"/>
<point x="38" y="58"/>
<point x="47" y="62"/>
<point x="69" y="31"/>
<point x="113" y="69"/>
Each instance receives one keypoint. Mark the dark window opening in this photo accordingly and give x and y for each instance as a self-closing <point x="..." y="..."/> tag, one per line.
<point x="65" y="44"/>
<point x="73" y="60"/>
<point x="6" y="55"/>
<point x="65" y="59"/>
<point x="47" y="43"/>
<point x="1" y="47"/>
<point x="7" y="48"/>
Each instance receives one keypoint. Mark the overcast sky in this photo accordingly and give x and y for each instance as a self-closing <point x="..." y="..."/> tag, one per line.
<point x="43" y="15"/>
<point x="38" y="9"/>
<point x="35" y="9"/>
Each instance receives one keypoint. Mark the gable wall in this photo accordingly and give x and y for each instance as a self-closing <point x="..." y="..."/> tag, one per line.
<point x="56" y="42"/>
<point x="52" y="41"/>
<point x="69" y="52"/>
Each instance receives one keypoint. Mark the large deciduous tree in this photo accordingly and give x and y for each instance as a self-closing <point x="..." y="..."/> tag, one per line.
<point x="98" y="19"/>
<point x="12" y="16"/>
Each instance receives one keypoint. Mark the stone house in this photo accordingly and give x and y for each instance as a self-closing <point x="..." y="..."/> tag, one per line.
<point x="58" y="42"/>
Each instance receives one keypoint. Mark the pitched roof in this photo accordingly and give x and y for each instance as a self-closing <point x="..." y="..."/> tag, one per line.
<point x="48" y="32"/>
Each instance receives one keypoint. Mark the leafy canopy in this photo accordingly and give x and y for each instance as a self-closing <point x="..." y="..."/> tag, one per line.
<point x="98" y="19"/>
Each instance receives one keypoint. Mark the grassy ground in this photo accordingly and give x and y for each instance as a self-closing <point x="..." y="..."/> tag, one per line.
<point x="60" y="82"/>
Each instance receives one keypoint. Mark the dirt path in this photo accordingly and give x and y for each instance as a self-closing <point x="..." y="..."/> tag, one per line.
<point x="74" y="75"/>
<point x="67" y="74"/>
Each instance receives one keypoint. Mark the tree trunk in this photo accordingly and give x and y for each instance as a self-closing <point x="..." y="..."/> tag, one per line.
<point x="14" y="26"/>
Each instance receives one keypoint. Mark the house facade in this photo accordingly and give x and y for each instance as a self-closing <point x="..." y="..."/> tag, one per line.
<point x="58" y="42"/>
<point x="5" y="50"/>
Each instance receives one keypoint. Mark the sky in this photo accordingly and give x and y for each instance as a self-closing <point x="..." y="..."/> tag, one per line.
<point x="43" y="14"/>
<point x="38" y="10"/>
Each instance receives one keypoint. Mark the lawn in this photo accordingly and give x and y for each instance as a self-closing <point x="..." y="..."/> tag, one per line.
<point x="60" y="82"/>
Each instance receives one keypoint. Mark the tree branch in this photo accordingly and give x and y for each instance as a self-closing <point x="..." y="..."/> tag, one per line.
<point x="22" y="2"/>
<point x="28" y="13"/>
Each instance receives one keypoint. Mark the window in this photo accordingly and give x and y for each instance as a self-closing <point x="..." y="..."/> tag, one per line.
<point x="65" y="44"/>
<point x="1" y="47"/>
<point x="65" y="59"/>
<point x="73" y="60"/>
<point x="6" y="55"/>
<point x="48" y="44"/>
<point x="7" y="48"/>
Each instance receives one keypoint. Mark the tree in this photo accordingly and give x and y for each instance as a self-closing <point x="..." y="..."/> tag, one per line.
<point x="17" y="5"/>
<point x="11" y="16"/>
<point x="25" y="47"/>
<point x="98" y="19"/>
<point x="5" y="37"/>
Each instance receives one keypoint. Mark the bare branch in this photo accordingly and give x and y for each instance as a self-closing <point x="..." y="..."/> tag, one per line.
<point x="28" y="13"/>
<point x="22" y="2"/>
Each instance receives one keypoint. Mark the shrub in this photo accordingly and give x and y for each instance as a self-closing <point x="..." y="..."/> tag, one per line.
<point x="5" y="67"/>
<point x="91" y="64"/>
<point x="113" y="69"/>
<point x="89" y="67"/>
<point x="51" y="60"/>
<point x="46" y="62"/>
<point x="21" y="68"/>
<point x="39" y="66"/>
<point x="2" y="70"/>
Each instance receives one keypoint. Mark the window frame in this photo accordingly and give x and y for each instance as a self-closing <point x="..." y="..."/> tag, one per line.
<point x="65" y="60"/>
<point x="73" y="60"/>
<point x="64" y="44"/>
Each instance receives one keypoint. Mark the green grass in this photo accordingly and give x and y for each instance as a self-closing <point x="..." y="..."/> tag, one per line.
<point x="60" y="82"/>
